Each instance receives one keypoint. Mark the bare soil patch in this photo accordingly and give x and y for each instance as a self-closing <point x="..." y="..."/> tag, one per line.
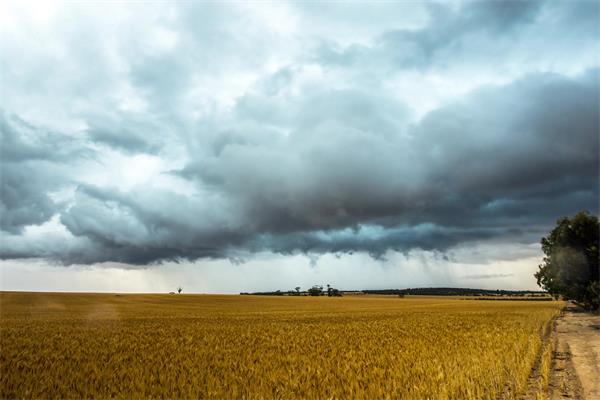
<point x="576" y="363"/>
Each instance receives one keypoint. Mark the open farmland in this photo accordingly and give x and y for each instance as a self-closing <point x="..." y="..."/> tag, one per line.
<point x="200" y="346"/>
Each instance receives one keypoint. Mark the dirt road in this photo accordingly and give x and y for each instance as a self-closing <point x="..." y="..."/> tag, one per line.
<point x="576" y="370"/>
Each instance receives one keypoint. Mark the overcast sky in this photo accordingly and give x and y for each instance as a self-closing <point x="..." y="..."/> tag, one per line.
<point x="245" y="146"/>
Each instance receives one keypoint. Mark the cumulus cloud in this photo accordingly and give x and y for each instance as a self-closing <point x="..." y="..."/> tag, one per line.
<point x="192" y="136"/>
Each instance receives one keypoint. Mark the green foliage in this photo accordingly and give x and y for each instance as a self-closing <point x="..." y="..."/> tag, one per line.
<point x="315" y="291"/>
<point x="570" y="268"/>
<point x="333" y="292"/>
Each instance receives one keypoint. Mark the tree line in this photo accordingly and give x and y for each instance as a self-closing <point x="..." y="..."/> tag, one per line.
<point x="315" y="290"/>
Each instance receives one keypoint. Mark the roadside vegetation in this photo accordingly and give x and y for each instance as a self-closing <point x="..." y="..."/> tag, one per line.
<point x="570" y="267"/>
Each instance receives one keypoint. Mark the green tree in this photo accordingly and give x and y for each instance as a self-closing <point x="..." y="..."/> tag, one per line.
<point x="315" y="290"/>
<point x="570" y="267"/>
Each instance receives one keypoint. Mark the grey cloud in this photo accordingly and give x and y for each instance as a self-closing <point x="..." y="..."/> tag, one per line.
<point x="23" y="142"/>
<point x="125" y="140"/>
<point x="475" y="34"/>
<point x="447" y="29"/>
<point x="375" y="240"/>
<point x="494" y="156"/>
<point x="493" y="165"/>
<point x="24" y="199"/>
<point x="488" y="276"/>
<point x="295" y="163"/>
<point x="455" y="29"/>
<point x="141" y="228"/>
<point x="33" y="163"/>
<point x="536" y="139"/>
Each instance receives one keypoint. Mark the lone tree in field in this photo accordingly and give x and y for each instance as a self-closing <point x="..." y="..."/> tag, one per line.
<point x="179" y="289"/>
<point x="570" y="268"/>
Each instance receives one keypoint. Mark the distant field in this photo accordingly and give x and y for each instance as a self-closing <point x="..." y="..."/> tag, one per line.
<point x="198" y="346"/>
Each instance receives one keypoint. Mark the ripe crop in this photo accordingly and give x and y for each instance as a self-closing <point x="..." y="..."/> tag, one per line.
<point x="197" y="346"/>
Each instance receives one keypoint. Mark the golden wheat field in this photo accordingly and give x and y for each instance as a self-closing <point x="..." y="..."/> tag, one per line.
<point x="229" y="347"/>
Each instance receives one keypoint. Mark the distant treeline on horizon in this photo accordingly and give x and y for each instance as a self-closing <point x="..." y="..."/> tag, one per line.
<point x="431" y="291"/>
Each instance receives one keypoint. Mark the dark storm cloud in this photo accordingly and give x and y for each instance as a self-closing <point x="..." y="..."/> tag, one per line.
<point x="503" y="155"/>
<point x="502" y="162"/>
<point x="376" y="240"/>
<point x="534" y="141"/>
<point x="200" y="141"/>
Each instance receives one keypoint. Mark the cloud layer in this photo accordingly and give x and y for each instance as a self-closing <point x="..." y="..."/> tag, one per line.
<point x="187" y="131"/>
